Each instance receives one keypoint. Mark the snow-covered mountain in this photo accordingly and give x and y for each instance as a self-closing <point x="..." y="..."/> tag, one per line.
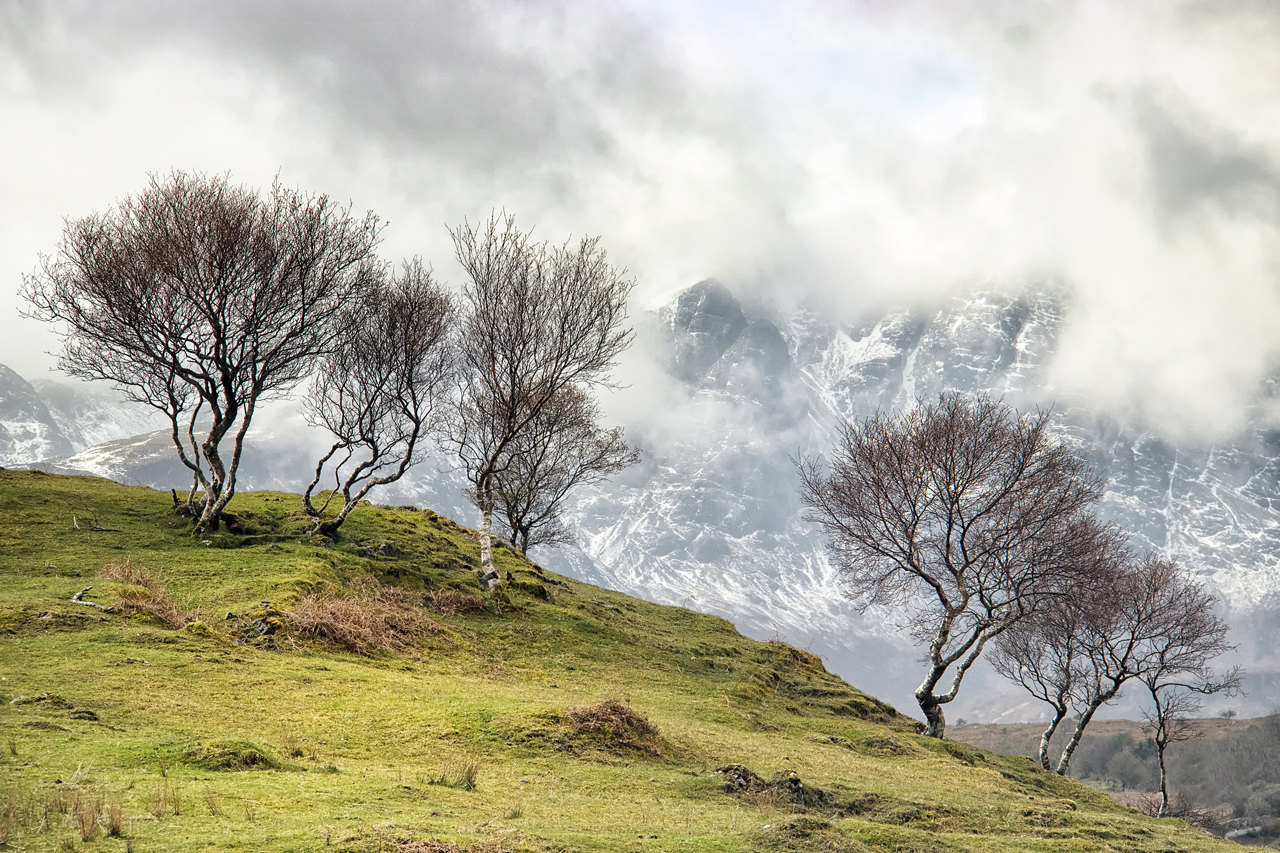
<point x="48" y="420"/>
<point x="710" y="519"/>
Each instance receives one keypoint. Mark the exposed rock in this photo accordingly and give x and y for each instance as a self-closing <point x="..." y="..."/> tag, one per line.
<point x="704" y="322"/>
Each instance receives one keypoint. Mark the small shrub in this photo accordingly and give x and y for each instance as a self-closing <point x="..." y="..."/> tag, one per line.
<point x="140" y="592"/>
<point x="1179" y="806"/>
<point x="617" y="724"/>
<point x="365" y="618"/>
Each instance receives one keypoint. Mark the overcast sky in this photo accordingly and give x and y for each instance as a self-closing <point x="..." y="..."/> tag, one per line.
<point x="863" y="154"/>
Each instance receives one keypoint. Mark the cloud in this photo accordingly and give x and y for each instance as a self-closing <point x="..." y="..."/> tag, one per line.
<point x="853" y="154"/>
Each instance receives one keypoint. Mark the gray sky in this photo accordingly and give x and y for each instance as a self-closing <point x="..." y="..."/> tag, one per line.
<point x="861" y="153"/>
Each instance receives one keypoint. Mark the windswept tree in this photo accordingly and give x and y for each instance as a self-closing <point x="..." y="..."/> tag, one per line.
<point x="1178" y="674"/>
<point x="562" y="449"/>
<point x="1045" y="655"/>
<point x="381" y="389"/>
<point x="965" y="514"/>
<point x="202" y="300"/>
<point x="538" y="320"/>
<point x="1160" y="625"/>
<point x="1168" y="718"/>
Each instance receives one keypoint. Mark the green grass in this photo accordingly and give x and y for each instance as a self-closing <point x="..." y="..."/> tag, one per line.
<point x="208" y="737"/>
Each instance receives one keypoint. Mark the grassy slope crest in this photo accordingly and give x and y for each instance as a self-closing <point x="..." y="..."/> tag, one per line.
<point x="262" y="689"/>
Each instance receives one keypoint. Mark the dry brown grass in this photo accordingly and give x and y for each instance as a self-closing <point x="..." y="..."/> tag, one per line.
<point x="616" y="724"/>
<point x="115" y="818"/>
<point x="142" y="592"/>
<point x="451" y="602"/>
<point x="87" y="812"/>
<point x="9" y="807"/>
<point x="364" y="618"/>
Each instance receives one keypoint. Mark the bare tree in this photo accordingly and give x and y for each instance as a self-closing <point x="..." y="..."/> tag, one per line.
<point x="1045" y="655"/>
<point x="538" y="319"/>
<point x="1160" y="626"/>
<point x="202" y="300"/>
<point x="380" y="389"/>
<point x="962" y="512"/>
<point x="1179" y="674"/>
<point x="562" y="449"/>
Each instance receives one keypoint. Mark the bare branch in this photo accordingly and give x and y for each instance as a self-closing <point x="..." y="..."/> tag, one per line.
<point x="380" y="389"/>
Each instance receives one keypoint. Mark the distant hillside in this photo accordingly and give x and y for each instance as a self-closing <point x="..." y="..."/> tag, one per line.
<point x="259" y="689"/>
<point x="1230" y="764"/>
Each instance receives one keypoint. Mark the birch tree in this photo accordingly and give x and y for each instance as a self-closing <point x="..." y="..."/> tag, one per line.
<point x="1045" y="655"/>
<point x="202" y="300"/>
<point x="1160" y="626"/>
<point x="563" y="449"/>
<point x="537" y="319"/>
<point x="963" y="514"/>
<point x="381" y="390"/>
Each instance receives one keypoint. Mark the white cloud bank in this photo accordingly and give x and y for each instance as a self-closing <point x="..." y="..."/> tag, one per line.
<point x="860" y="154"/>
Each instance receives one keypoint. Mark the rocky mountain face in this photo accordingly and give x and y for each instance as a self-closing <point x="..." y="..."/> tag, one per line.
<point x="49" y="420"/>
<point x="711" y="519"/>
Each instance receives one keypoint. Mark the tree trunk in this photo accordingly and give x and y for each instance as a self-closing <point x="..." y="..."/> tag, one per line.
<point x="1048" y="735"/>
<point x="487" y="573"/>
<point x="1064" y="763"/>
<point x="1164" y="784"/>
<point x="935" y="720"/>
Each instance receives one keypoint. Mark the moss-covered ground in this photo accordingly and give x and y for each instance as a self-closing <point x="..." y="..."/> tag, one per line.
<point x="134" y="735"/>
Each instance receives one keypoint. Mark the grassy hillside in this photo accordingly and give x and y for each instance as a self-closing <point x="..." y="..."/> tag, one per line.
<point x="556" y="717"/>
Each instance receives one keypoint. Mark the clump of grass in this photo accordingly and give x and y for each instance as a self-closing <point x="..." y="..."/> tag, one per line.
<point x="617" y="725"/>
<point x="229" y="755"/>
<point x="465" y="777"/>
<point x="87" y="811"/>
<point x="9" y="808"/>
<point x="142" y="592"/>
<point x="290" y="745"/>
<point x="212" y="802"/>
<point x="115" y="818"/>
<point x="165" y="799"/>
<point x="365" y="618"/>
